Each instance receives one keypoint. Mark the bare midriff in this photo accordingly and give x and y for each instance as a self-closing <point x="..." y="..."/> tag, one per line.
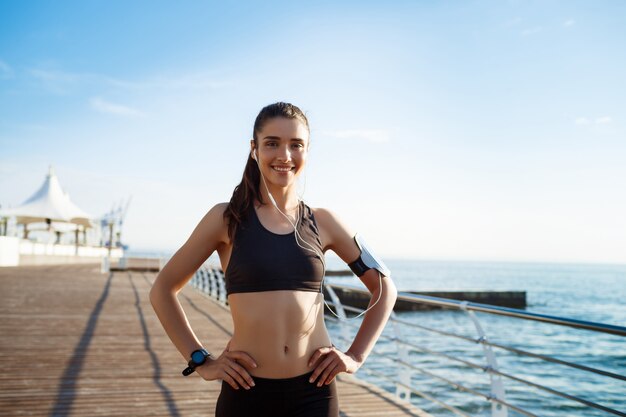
<point x="279" y="329"/>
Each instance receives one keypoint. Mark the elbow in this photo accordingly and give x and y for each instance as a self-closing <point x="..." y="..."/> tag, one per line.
<point x="392" y="291"/>
<point x="156" y="291"/>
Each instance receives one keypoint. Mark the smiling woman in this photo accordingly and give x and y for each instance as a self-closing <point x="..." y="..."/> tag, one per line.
<point x="273" y="258"/>
<point x="285" y="155"/>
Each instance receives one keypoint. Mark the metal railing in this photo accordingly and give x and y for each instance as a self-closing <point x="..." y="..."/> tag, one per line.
<point x="211" y="282"/>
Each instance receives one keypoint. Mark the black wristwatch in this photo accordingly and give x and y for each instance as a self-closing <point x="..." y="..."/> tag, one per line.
<point x="198" y="357"/>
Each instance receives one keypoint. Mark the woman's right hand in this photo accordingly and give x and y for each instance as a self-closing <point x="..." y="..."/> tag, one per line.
<point x="230" y="367"/>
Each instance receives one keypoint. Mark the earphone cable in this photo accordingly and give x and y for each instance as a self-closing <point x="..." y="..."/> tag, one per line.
<point x="315" y="251"/>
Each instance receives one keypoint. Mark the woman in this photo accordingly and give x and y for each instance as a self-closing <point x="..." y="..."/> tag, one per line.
<point x="271" y="248"/>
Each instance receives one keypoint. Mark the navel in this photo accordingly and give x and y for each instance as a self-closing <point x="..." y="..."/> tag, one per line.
<point x="286" y="349"/>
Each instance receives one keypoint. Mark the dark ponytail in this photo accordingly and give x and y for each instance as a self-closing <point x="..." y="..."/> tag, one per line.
<point x="248" y="191"/>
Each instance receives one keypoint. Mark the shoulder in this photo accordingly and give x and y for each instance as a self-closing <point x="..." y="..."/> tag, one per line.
<point x="220" y="207"/>
<point x="340" y="237"/>
<point x="321" y="214"/>
<point x="208" y="235"/>
<point x="214" y="222"/>
<point x="327" y="218"/>
<point x="217" y="211"/>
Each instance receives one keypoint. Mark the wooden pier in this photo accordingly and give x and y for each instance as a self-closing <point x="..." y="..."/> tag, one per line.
<point x="75" y="342"/>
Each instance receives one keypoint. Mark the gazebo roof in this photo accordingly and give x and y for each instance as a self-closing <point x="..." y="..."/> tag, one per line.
<point x="49" y="202"/>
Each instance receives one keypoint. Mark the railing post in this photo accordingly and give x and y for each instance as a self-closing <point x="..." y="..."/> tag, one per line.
<point x="212" y="285"/>
<point x="402" y="392"/>
<point x="341" y="312"/>
<point x="202" y="280"/>
<point x="497" y="387"/>
<point x="206" y="281"/>
<point x="222" y="286"/>
<point x="105" y="265"/>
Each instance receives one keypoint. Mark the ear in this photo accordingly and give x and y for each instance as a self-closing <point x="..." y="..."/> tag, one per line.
<point x="252" y="149"/>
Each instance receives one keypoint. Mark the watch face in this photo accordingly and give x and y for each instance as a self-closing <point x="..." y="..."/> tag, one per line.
<point x="198" y="357"/>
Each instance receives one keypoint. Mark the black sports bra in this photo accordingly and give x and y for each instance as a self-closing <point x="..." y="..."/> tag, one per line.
<point x="266" y="261"/>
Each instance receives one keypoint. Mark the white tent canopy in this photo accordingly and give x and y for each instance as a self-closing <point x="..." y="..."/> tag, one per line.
<point x="49" y="202"/>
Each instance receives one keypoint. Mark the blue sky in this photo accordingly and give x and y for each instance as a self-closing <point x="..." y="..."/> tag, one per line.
<point x="477" y="130"/>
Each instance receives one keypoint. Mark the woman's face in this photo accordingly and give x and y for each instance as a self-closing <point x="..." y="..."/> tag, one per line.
<point x="282" y="150"/>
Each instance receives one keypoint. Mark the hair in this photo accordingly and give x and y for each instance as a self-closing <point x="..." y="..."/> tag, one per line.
<point x="248" y="189"/>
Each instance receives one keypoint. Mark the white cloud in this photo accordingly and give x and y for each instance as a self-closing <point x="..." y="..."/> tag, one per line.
<point x="569" y="23"/>
<point x="46" y="75"/>
<point x="57" y="82"/>
<point x="371" y="135"/>
<point x="531" y="31"/>
<point x="188" y="81"/>
<point x="602" y="120"/>
<point x="5" y="70"/>
<point x="104" y="106"/>
<point x="61" y="82"/>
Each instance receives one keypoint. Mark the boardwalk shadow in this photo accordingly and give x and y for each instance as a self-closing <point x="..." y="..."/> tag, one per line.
<point x="193" y="305"/>
<point x="167" y="394"/>
<point x="66" y="393"/>
<point x="208" y="316"/>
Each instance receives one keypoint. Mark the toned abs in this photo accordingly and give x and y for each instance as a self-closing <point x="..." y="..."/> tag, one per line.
<point x="279" y="329"/>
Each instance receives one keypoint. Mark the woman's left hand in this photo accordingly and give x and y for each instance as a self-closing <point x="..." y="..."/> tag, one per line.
<point x="330" y="361"/>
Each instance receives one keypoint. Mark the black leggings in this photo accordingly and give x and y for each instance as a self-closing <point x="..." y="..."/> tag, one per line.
<point x="289" y="397"/>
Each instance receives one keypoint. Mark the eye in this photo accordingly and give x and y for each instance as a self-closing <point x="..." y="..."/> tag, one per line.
<point x="271" y="144"/>
<point x="298" y="145"/>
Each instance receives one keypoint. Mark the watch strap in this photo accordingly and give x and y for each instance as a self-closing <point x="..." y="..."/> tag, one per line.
<point x="188" y="370"/>
<point x="192" y="365"/>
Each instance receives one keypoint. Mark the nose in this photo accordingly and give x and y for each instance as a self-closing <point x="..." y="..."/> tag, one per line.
<point x="285" y="153"/>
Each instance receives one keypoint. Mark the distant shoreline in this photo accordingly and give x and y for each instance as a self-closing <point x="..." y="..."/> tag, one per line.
<point x="335" y="258"/>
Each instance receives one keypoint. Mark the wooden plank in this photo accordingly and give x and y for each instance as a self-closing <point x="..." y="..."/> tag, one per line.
<point x="75" y="342"/>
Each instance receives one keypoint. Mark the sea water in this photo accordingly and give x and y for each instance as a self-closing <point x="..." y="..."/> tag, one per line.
<point x="579" y="291"/>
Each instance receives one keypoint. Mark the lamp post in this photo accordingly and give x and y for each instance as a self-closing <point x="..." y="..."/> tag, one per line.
<point x="110" y="237"/>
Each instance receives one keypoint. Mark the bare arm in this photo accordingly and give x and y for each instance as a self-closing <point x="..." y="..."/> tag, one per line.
<point x="204" y="240"/>
<point x="340" y="240"/>
<point x="374" y="320"/>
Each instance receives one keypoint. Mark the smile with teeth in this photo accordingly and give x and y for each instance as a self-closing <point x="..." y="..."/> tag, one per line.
<point x="282" y="169"/>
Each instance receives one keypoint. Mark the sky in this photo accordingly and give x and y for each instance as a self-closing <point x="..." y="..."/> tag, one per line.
<point x="448" y="130"/>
